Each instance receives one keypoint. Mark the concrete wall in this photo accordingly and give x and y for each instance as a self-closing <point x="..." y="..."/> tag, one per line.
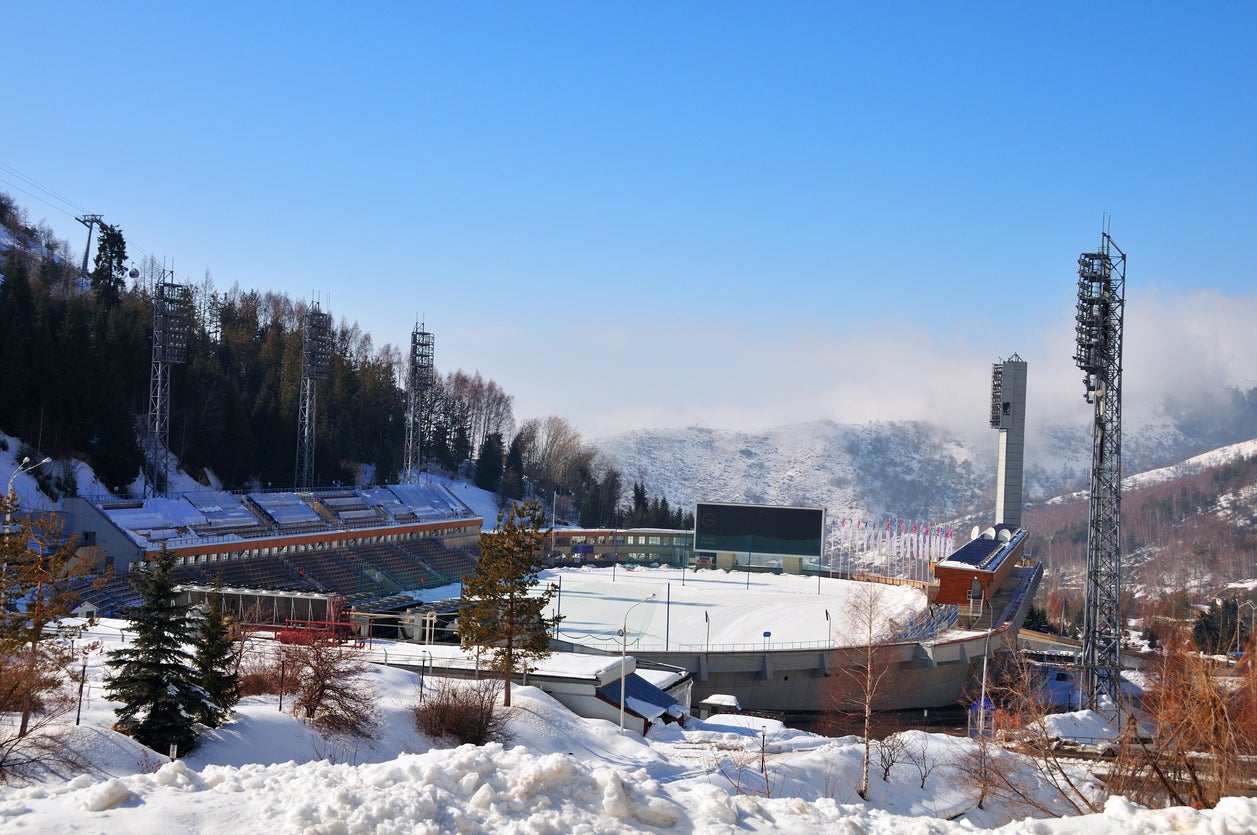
<point x="1012" y="444"/>
<point x="808" y="681"/>
<point x="85" y="520"/>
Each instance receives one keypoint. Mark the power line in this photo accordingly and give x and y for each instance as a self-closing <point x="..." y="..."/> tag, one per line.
<point x="79" y="209"/>
<point x="34" y="196"/>
<point x="31" y="181"/>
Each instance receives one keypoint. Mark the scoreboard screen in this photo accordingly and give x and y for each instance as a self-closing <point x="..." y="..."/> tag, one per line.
<point x="759" y="529"/>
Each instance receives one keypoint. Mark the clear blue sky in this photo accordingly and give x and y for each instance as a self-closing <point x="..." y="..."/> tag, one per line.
<point x="728" y="214"/>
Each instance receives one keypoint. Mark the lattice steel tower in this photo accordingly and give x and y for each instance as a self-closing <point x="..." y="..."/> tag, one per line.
<point x="172" y="309"/>
<point x="418" y="382"/>
<point x="1101" y="302"/>
<point x="316" y="346"/>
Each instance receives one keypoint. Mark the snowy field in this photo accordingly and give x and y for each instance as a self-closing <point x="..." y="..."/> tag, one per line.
<point x="737" y="608"/>
<point x="268" y="772"/>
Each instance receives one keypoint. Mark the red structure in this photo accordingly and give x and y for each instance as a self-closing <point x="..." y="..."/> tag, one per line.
<point x="975" y="570"/>
<point x="309" y="632"/>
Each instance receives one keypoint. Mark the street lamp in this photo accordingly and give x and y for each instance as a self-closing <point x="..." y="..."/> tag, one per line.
<point x="25" y="467"/>
<point x="830" y="625"/>
<point x="624" y="653"/>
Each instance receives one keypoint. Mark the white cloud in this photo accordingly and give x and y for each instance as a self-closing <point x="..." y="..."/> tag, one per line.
<point x="610" y="375"/>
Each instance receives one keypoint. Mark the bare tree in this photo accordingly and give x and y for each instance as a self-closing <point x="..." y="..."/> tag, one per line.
<point x="1204" y="743"/>
<point x="331" y="689"/>
<point x="42" y="570"/>
<point x="47" y="747"/>
<point x="554" y="455"/>
<point x="862" y="678"/>
<point x="920" y="756"/>
<point x="891" y="750"/>
<point x="1018" y="687"/>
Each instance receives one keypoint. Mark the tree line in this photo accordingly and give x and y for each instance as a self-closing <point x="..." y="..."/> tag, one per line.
<point x="75" y="360"/>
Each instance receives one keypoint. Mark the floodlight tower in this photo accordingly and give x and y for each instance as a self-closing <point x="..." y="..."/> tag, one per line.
<point x="1008" y="415"/>
<point x="1101" y="303"/>
<point x="316" y="346"/>
<point x="172" y="308"/>
<point x="418" y="381"/>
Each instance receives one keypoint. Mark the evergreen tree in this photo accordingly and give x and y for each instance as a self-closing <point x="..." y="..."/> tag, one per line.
<point x="1215" y="628"/>
<point x="489" y="465"/>
<point x="503" y="605"/>
<point x="152" y="676"/>
<point x="639" y="514"/>
<point x="513" y="475"/>
<point x="216" y="662"/>
<point x="109" y="266"/>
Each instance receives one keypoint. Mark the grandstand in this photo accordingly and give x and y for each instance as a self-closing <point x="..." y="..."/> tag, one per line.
<point x="360" y="544"/>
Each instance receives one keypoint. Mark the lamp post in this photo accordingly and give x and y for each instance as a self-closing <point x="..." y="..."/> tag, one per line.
<point x="25" y="467"/>
<point x="830" y="625"/>
<point x="624" y="653"/>
<point x="421" y="655"/>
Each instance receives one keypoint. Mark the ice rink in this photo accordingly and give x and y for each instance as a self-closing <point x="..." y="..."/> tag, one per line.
<point x="696" y="610"/>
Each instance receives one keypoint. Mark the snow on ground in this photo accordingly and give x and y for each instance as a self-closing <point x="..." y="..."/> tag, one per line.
<point x="267" y="771"/>
<point x="24" y="483"/>
<point x="737" y="608"/>
<point x="1080" y="726"/>
<point x="1212" y="458"/>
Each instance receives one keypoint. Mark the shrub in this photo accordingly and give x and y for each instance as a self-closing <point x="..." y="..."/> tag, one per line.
<point x="462" y="711"/>
<point x="259" y="676"/>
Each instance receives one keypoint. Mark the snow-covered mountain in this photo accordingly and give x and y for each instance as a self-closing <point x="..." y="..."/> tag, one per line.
<point x="908" y="470"/>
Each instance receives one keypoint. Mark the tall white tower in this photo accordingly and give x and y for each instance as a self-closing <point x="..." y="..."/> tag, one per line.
<point x="1008" y="415"/>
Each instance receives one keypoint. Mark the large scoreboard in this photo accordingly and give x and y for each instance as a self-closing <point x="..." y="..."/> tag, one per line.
<point x="760" y="529"/>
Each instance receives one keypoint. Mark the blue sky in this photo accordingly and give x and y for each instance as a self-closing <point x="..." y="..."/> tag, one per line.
<point x="734" y="215"/>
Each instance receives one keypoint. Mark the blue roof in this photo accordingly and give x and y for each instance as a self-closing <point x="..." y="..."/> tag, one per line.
<point x="640" y="690"/>
<point x="985" y="554"/>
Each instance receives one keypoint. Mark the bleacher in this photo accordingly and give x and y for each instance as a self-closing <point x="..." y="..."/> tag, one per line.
<point x="288" y="511"/>
<point x="110" y="598"/>
<point x="450" y="564"/>
<point x="929" y="623"/>
<point x="251" y="573"/>
<point x="344" y="571"/>
<point x="393" y="563"/>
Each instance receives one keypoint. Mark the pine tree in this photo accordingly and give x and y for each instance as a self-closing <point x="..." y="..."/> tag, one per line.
<point x="503" y="605"/>
<point x="215" y="662"/>
<point x="109" y="273"/>
<point x="489" y="465"/>
<point x="153" y="676"/>
<point x="513" y="476"/>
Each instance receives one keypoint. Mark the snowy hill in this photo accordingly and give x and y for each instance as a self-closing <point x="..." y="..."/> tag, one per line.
<point x="898" y="469"/>
<point x="904" y="469"/>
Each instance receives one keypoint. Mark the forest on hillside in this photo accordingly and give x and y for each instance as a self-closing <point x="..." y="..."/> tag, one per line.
<point x="1186" y="539"/>
<point x="75" y="368"/>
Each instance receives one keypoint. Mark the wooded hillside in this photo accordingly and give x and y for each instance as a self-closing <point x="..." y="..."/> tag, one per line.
<point x="75" y="367"/>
